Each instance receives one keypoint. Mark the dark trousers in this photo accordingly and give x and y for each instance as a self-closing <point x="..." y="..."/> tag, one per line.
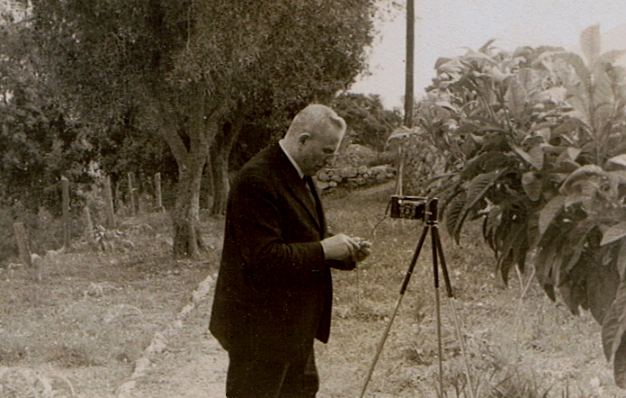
<point x="267" y="378"/>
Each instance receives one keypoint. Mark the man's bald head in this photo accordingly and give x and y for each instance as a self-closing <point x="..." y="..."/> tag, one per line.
<point x="314" y="136"/>
<point x="315" y="118"/>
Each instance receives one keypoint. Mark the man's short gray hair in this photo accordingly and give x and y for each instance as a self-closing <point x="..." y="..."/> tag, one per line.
<point x="313" y="116"/>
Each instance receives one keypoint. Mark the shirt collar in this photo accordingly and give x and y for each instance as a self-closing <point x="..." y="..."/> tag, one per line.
<point x="281" y="143"/>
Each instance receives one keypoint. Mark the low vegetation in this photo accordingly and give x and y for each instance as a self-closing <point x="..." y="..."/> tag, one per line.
<point x="80" y="330"/>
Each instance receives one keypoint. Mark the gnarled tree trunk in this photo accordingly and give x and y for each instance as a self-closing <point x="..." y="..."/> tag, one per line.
<point x="186" y="214"/>
<point x="219" y="158"/>
<point x="191" y="161"/>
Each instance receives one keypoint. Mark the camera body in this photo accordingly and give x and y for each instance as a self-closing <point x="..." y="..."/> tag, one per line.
<point x="409" y="207"/>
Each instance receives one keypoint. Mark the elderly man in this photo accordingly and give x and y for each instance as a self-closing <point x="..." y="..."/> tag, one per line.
<point x="273" y="295"/>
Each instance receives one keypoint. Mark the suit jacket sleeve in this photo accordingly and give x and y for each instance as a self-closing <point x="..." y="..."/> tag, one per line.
<point x="270" y="257"/>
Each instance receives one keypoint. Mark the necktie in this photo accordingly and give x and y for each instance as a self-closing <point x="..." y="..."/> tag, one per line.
<point x="310" y="185"/>
<point x="315" y="198"/>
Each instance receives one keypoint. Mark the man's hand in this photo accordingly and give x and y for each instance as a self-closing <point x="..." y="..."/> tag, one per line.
<point x="340" y="247"/>
<point x="363" y="249"/>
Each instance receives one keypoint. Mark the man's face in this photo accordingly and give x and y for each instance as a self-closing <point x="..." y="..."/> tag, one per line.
<point x="318" y="149"/>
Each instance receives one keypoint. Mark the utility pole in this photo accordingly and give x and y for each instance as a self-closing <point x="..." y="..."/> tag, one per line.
<point x="408" y="75"/>
<point x="408" y="89"/>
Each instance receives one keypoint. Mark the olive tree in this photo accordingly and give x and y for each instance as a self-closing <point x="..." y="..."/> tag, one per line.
<point x="183" y="70"/>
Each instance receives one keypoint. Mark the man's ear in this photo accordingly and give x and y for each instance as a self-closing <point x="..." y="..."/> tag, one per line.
<point x="303" y="137"/>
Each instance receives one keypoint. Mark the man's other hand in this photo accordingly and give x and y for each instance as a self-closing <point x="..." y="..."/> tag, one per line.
<point x="340" y="247"/>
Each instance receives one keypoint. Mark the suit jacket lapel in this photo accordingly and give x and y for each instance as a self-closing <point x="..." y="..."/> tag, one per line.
<point x="297" y="187"/>
<point x="315" y="194"/>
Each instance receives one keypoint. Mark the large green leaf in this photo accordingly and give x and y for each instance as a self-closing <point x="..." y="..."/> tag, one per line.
<point x="581" y="103"/>
<point x="516" y="98"/>
<point x="614" y="323"/>
<point x="400" y="134"/>
<point x="575" y="244"/>
<point x="512" y="243"/>
<point x="614" y="335"/>
<point x="460" y="206"/>
<point x="619" y="160"/>
<point x="454" y="213"/>
<point x="441" y="61"/>
<point x="532" y="185"/>
<point x="613" y="233"/>
<point x="619" y="364"/>
<point x="549" y="250"/>
<point x="484" y="162"/>
<point x="618" y="176"/>
<point x="534" y="157"/>
<point x="590" y="43"/>
<point x="549" y="212"/>
<point x="570" y="154"/>
<point x="583" y="173"/>
<point x="548" y="259"/>
<point x="620" y="261"/>
<point x="602" y="282"/>
<point x="603" y="98"/>
<point x="487" y="46"/>
<point x="477" y="189"/>
<point x="573" y="295"/>
<point x="611" y="57"/>
<point x="582" y="72"/>
<point x="492" y="221"/>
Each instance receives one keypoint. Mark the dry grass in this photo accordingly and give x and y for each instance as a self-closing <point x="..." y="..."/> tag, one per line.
<point x="93" y="313"/>
<point x="78" y="332"/>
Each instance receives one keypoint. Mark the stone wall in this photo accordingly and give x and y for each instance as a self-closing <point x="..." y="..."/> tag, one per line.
<point x="352" y="177"/>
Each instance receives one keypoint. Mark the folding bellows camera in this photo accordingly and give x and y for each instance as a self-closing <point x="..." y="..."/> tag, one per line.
<point x="409" y="207"/>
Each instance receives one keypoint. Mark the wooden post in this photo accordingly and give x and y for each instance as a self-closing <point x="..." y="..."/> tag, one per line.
<point x="108" y="203"/>
<point x="408" y="75"/>
<point x="65" y="187"/>
<point x="157" y="192"/>
<point x="88" y="232"/>
<point x="118" y="201"/>
<point x="131" y="194"/>
<point x="23" y="246"/>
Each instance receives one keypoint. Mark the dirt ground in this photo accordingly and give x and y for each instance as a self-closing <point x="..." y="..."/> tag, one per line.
<point x="129" y="324"/>
<point x="194" y="365"/>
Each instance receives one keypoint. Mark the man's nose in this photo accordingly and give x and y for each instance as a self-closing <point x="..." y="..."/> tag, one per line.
<point x="330" y="159"/>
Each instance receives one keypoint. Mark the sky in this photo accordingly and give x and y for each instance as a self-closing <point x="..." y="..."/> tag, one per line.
<point x="449" y="27"/>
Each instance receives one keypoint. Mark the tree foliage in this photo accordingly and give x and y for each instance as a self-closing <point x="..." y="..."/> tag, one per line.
<point x="39" y="139"/>
<point x="536" y="142"/>
<point x="367" y="118"/>
<point x="194" y="73"/>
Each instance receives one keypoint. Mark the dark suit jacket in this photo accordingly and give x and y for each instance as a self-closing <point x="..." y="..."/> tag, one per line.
<point x="273" y="294"/>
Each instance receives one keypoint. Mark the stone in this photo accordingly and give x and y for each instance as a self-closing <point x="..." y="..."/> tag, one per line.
<point x="348" y="172"/>
<point x="323" y="176"/>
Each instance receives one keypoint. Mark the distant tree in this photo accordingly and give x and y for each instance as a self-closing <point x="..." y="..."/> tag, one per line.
<point x="39" y="139"/>
<point x="310" y="51"/>
<point x="185" y="69"/>
<point x="366" y="116"/>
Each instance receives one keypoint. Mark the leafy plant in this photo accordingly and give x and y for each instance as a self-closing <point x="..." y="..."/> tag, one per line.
<point x="537" y="150"/>
<point x="39" y="138"/>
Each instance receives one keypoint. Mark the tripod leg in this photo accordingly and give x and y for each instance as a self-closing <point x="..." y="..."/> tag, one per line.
<point x="405" y="283"/>
<point x="437" y="310"/>
<point x="444" y="267"/>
